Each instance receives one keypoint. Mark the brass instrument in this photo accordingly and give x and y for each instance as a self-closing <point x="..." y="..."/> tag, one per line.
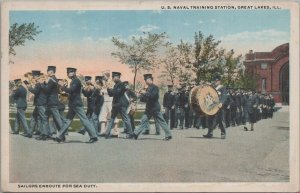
<point x="63" y="97"/>
<point x="88" y="87"/>
<point x="30" y="79"/>
<point x="143" y="90"/>
<point x="109" y="84"/>
<point x="43" y="78"/>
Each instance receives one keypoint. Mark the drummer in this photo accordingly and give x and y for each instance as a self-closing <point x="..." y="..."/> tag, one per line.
<point x="217" y="119"/>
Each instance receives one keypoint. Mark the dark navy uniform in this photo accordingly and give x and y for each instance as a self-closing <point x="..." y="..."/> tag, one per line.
<point x="119" y="105"/>
<point x="244" y="99"/>
<point x="186" y="109"/>
<point x="251" y="108"/>
<point x="233" y="109"/>
<point x="179" y="106"/>
<point x="76" y="108"/>
<point x="217" y="119"/>
<point x="51" y="89"/>
<point x="271" y="104"/>
<point x="19" y="95"/>
<point x="152" y="110"/>
<point x="35" y="121"/>
<point x="169" y="105"/>
<point x="41" y="104"/>
<point x="239" y="108"/>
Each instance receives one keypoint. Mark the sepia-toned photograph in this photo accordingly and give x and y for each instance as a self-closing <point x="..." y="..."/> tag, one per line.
<point x="149" y="96"/>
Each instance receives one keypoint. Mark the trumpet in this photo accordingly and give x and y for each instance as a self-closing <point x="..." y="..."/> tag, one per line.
<point x="89" y="86"/>
<point x="43" y="78"/>
<point x="63" y="97"/>
<point x="143" y="90"/>
<point x="109" y="84"/>
<point x="31" y="81"/>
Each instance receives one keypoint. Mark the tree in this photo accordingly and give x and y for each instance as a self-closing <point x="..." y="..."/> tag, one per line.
<point x="205" y="56"/>
<point x="247" y="82"/>
<point x="170" y="63"/>
<point x="232" y="69"/>
<point x="18" y="34"/>
<point x="141" y="53"/>
<point x="186" y="72"/>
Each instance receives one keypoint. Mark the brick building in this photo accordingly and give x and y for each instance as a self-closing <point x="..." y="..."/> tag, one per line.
<point x="272" y="71"/>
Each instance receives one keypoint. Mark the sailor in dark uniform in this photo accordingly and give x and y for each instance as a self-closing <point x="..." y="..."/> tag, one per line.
<point x="271" y="105"/>
<point x="244" y="98"/>
<point x="239" y="107"/>
<point x="19" y="96"/>
<point x="180" y="103"/>
<point x="41" y="104"/>
<point x="168" y="104"/>
<point x="233" y="107"/>
<point x="227" y="108"/>
<point x="132" y="99"/>
<point x="50" y="87"/>
<point x="99" y="101"/>
<point x="186" y="108"/>
<point x="61" y="108"/>
<point x="35" y="122"/>
<point x="217" y="119"/>
<point x="119" y="105"/>
<point x="251" y="110"/>
<point x="75" y="108"/>
<point x="151" y="96"/>
<point x="89" y="92"/>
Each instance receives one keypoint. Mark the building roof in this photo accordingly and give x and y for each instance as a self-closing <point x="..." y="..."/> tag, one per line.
<point x="276" y="54"/>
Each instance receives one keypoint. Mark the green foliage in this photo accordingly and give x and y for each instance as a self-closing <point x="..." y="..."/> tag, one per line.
<point x="205" y="56"/>
<point x="141" y="53"/>
<point x="18" y="34"/>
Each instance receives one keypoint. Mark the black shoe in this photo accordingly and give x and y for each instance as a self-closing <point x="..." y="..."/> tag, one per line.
<point x="114" y="136"/>
<point x="93" y="140"/>
<point x="15" y="133"/>
<point x="168" y="138"/>
<point x="107" y="137"/>
<point x="223" y="136"/>
<point x="197" y="127"/>
<point x="208" y="136"/>
<point x="252" y="130"/>
<point x="146" y="132"/>
<point x="82" y="132"/>
<point x="41" y="138"/>
<point x="125" y="131"/>
<point x="157" y="133"/>
<point x="245" y="128"/>
<point x="36" y="133"/>
<point x="102" y="135"/>
<point x="135" y="136"/>
<point x="59" y="140"/>
<point x="186" y="128"/>
<point x="27" y="135"/>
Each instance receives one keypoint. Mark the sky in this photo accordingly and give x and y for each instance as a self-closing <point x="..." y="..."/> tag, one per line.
<point x="82" y="39"/>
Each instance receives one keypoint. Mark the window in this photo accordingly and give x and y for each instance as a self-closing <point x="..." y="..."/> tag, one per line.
<point x="263" y="84"/>
<point x="263" y="66"/>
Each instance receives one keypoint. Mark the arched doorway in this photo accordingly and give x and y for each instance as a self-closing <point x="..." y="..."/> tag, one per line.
<point x="284" y="84"/>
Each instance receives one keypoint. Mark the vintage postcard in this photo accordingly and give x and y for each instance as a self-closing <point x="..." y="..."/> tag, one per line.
<point x="149" y="96"/>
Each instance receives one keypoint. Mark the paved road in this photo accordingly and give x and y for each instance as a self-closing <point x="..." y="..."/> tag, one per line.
<point x="260" y="156"/>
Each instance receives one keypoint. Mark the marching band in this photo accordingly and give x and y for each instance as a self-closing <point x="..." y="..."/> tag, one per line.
<point x="109" y="97"/>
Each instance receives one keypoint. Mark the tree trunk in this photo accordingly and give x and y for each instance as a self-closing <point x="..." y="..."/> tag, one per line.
<point x="134" y="79"/>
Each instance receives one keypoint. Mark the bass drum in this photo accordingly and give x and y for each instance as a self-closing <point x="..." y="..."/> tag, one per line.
<point x="204" y="100"/>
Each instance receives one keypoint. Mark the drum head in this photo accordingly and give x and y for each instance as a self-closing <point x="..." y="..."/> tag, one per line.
<point x="208" y="99"/>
